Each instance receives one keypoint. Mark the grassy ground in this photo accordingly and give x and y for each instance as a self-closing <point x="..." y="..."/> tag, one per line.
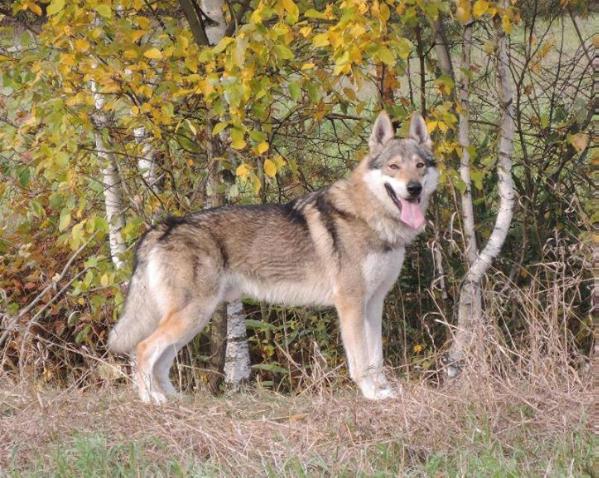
<point x="479" y="428"/>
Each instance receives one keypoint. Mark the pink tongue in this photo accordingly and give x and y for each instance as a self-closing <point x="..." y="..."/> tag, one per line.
<point x="411" y="213"/>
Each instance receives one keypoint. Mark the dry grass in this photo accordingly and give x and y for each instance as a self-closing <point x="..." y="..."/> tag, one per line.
<point x="259" y="433"/>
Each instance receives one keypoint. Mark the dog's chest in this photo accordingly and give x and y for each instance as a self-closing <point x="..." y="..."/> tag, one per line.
<point x="381" y="269"/>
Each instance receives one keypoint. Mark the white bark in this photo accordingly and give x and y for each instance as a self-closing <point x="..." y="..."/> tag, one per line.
<point x="214" y="9"/>
<point x="237" y="359"/>
<point x="464" y="139"/>
<point x="469" y="315"/>
<point x="147" y="162"/>
<point x="113" y="195"/>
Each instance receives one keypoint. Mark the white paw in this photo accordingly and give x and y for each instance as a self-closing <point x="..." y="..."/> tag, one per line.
<point x="151" y="396"/>
<point x="384" y="393"/>
<point x="371" y="391"/>
<point x="158" y="397"/>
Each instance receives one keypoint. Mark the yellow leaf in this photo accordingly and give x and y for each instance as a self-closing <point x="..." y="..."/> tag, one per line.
<point x="237" y="141"/>
<point x="242" y="171"/>
<point x="153" y="54"/>
<point x="130" y="54"/>
<point x="66" y="59"/>
<point x="480" y="8"/>
<point x="292" y="9"/>
<point x="279" y="161"/>
<point x="136" y="35"/>
<point x="506" y="23"/>
<point x="238" y="144"/>
<point x="35" y="8"/>
<point x="81" y="45"/>
<point x="463" y="14"/>
<point x="270" y="168"/>
<point x="305" y="31"/>
<point x="257" y="184"/>
<point x="55" y="7"/>
<point x="357" y="30"/>
<point x="262" y="147"/>
<point x="384" y="12"/>
<point x="579" y="141"/>
<point x="307" y="66"/>
<point x="322" y="39"/>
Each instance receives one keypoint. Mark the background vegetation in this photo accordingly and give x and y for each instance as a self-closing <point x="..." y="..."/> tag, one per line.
<point x="281" y="105"/>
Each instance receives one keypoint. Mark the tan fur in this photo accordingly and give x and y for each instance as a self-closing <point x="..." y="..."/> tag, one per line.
<point x="340" y="247"/>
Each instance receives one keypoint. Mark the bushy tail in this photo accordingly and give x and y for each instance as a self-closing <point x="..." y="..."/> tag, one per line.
<point x="140" y="315"/>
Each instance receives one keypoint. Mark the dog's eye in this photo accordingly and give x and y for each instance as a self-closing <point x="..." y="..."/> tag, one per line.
<point x="420" y="165"/>
<point x="393" y="166"/>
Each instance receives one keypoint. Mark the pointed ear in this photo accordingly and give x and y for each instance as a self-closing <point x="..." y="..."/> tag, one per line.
<point x="419" y="131"/>
<point x="381" y="132"/>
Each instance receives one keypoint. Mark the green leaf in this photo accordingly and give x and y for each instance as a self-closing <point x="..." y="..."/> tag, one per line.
<point x="386" y="56"/>
<point x="311" y="13"/>
<point x="403" y="47"/>
<point x="257" y="136"/>
<point x="104" y="10"/>
<point x="295" y="91"/>
<point x="24" y="175"/>
<point x="65" y="219"/>
<point x="219" y="127"/>
<point x="237" y="140"/>
<point x="270" y="367"/>
<point x="477" y="176"/>
<point x="283" y="52"/>
<point x="221" y="45"/>
<point x="55" y="7"/>
<point x="258" y="325"/>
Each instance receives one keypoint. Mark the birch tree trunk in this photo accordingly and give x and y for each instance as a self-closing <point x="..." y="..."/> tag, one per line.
<point x="469" y="329"/>
<point x="113" y="194"/>
<point x="464" y="140"/>
<point x="229" y="348"/>
<point x="147" y="162"/>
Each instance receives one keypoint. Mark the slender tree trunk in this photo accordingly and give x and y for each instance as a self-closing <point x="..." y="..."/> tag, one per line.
<point x="470" y="330"/>
<point x="229" y="349"/>
<point x="113" y="195"/>
<point x="422" y="68"/>
<point x="464" y="139"/>
<point x="147" y="162"/>
<point x="237" y="360"/>
<point x="463" y="98"/>
<point x="217" y="26"/>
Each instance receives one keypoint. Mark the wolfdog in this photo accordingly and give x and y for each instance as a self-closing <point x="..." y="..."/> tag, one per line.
<point x="342" y="246"/>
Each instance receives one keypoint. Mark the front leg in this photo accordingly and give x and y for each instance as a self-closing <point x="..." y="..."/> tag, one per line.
<point x="374" y="340"/>
<point x="352" y="320"/>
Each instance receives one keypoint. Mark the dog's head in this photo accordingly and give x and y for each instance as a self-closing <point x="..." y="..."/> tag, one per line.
<point x="401" y="172"/>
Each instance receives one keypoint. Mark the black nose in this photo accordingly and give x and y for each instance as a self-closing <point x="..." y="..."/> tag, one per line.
<point x="414" y="188"/>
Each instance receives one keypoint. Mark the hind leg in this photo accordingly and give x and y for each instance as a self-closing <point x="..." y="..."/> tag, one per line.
<point x="156" y="353"/>
<point x="162" y="369"/>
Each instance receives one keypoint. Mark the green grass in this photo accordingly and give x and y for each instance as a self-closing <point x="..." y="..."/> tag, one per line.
<point x="92" y="455"/>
